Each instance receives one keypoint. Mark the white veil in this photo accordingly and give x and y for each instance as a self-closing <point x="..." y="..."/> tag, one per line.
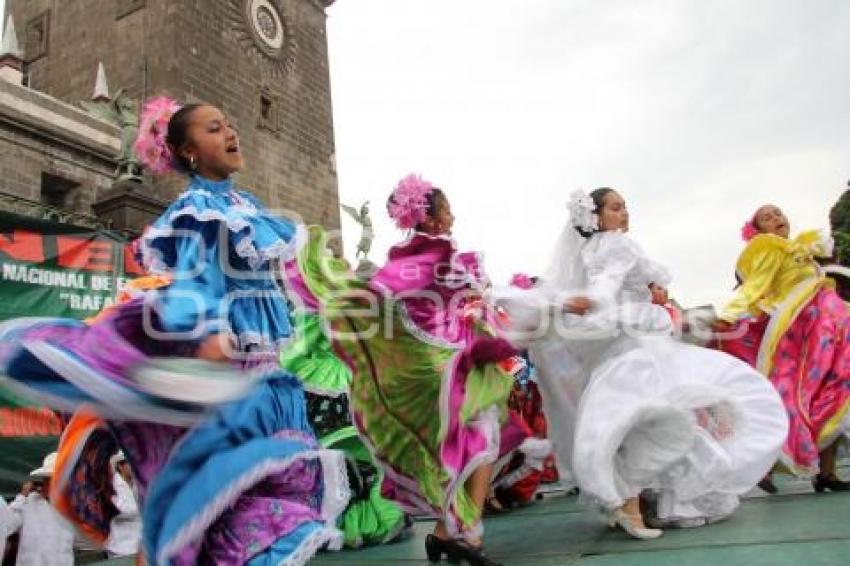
<point x="561" y="375"/>
<point x="566" y="270"/>
<point x="535" y="309"/>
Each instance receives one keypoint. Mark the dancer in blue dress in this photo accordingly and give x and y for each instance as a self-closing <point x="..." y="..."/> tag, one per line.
<point x="187" y="374"/>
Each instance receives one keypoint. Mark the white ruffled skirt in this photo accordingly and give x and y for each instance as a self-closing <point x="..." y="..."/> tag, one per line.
<point x="696" y="425"/>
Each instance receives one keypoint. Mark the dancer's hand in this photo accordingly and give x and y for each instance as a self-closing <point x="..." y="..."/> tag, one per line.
<point x="578" y="305"/>
<point x="213" y="349"/>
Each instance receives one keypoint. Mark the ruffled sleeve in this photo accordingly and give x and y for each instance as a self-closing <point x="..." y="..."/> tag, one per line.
<point x="816" y="242"/>
<point x="758" y="265"/>
<point x="611" y="258"/>
<point x="192" y="303"/>
<point x="264" y="237"/>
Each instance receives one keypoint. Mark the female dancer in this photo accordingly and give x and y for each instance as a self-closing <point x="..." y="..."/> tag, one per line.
<point x="787" y="321"/>
<point x="630" y="408"/>
<point x="248" y="482"/>
<point x="427" y="394"/>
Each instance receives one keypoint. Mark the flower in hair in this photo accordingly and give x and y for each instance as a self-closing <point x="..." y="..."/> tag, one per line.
<point x="521" y="281"/>
<point x="151" y="146"/>
<point x="749" y="230"/>
<point x="582" y="212"/>
<point x="408" y="205"/>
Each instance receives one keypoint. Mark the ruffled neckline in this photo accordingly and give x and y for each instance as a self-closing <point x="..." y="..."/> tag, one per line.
<point x="603" y="241"/>
<point x="256" y="235"/>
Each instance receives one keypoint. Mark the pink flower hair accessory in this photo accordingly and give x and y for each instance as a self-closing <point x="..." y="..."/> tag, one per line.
<point x="521" y="281"/>
<point x="749" y="230"/>
<point x="151" y="146"/>
<point x="408" y="205"/>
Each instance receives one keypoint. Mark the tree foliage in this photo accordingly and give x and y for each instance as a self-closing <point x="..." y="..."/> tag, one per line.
<point x="839" y="220"/>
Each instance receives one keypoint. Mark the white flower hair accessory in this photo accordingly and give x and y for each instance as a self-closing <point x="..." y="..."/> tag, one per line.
<point x="582" y="212"/>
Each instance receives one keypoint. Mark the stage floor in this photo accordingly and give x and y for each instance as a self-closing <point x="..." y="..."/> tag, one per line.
<point x="794" y="527"/>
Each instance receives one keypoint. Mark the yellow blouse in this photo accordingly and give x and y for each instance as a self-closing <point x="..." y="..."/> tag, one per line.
<point x="771" y="267"/>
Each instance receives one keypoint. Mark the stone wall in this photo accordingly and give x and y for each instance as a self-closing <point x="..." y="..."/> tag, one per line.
<point x="200" y="50"/>
<point x="40" y="136"/>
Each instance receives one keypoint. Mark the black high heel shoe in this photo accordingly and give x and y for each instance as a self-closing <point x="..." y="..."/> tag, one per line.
<point x="455" y="550"/>
<point x="821" y="483"/>
<point x="766" y="484"/>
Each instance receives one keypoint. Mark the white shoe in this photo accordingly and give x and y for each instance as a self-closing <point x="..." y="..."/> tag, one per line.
<point x="621" y="519"/>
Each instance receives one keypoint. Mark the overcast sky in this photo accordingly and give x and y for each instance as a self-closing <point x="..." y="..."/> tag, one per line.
<point x="697" y="111"/>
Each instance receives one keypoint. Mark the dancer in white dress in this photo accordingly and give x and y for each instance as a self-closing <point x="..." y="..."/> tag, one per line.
<point x="631" y="409"/>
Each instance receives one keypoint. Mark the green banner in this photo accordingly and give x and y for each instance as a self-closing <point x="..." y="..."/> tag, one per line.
<point x="56" y="270"/>
<point x="50" y="269"/>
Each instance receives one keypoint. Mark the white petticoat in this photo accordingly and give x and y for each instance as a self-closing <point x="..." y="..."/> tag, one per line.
<point x="695" y="424"/>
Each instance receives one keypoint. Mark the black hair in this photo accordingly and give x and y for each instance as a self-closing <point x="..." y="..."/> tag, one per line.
<point x="178" y="135"/>
<point x="432" y="198"/>
<point x="598" y="198"/>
